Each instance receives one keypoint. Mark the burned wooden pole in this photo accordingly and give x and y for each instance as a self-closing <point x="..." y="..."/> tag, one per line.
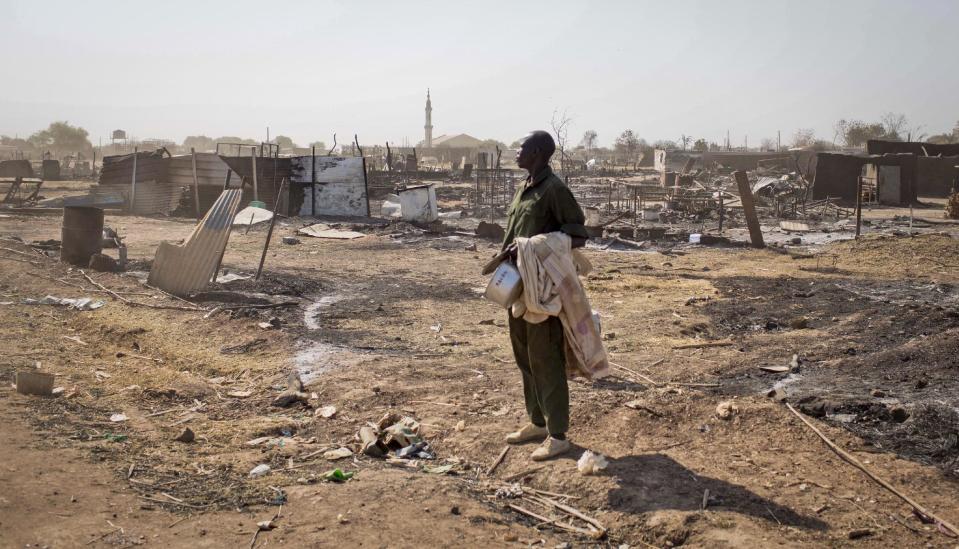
<point x="722" y="210"/>
<point x="749" y="209"/>
<point x="256" y="194"/>
<point x="269" y="232"/>
<point x="313" y="182"/>
<point x="196" y="185"/>
<point x="858" y="206"/>
<point x="133" y="182"/>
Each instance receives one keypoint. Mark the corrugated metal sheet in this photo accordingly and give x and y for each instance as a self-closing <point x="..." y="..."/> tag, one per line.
<point x="151" y="166"/>
<point x="210" y="173"/>
<point x="340" y="185"/>
<point x="189" y="267"/>
<point x="267" y="182"/>
<point x="151" y="197"/>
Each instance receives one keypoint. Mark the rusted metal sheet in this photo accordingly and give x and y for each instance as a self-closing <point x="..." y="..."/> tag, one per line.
<point x="153" y="194"/>
<point x="150" y="166"/>
<point x="340" y="187"/>
<point x="211" y="173"/>
<point x="186" y="268"/>
<point x="270" y="172"/>
<point x="152" y="197"/>
<point x="210" y="170"/>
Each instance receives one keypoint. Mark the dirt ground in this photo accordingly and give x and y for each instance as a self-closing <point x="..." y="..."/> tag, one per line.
<point x="395" y="321"/>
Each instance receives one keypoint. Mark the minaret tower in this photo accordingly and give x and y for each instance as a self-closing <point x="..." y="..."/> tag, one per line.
<point x="429" y="121"/>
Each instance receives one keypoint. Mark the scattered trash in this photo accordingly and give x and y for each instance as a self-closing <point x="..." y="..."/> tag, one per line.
<point x="456" y="214"/>
<point x="321" y="230"/>
<point x="326" y="412"/>
<point x="371" y="445"/>
<point x="271" y="324"/>
<point x="726" y="410"/>
<point x="338" y="475"/>
<point x="117" y="418"/>
<point x="111" y="437"/>
<point x="291" y="240"/>
<point x="438" y="469"/>
<point x="397" y="434"/>
<point x="252" y="215"/>
<point x="260" y="470"/>
<point x="510" y="491"/>
<point x="186" y="436"/>
<point x="239" y="394"/>
<point x="265" y="525"/>
<point x="420" y="450"/>
<point x="338" y="453"/>
<point x="591" y="463"/>
<point x="230" y="277"/>
<point x="35" y="383"/>
<point x="80" y="304"/>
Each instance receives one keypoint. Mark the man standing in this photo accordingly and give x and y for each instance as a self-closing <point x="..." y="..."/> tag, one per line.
<point x="544" y="204"/>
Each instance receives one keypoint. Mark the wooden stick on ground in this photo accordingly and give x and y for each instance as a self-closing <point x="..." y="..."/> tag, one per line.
<point x="705" y="344"/>
<point x="502" y="456"/>
<point x="652" y="382"/>
<point x="552" y="522"/>
<point x="20" y="260"/>
<point x="80" y="287"/>
<point x="545" y="493"/>
<point x="171" y="296"/>
<point x="136" y="303"/>
<point x="849" y="458"/>
<point x="572" y="511"/>
<point x="33" y="256"/>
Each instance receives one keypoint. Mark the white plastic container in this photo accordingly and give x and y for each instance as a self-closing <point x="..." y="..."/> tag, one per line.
<point x="419" y="204"/>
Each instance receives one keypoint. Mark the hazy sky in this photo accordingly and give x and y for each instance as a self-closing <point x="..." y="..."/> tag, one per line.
<point x="496" y="69"/>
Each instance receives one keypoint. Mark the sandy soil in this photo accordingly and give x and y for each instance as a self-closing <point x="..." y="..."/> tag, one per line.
<point x="394" y="321"/>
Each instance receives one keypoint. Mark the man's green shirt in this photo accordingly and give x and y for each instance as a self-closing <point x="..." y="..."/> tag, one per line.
<point x="544" y="205"/>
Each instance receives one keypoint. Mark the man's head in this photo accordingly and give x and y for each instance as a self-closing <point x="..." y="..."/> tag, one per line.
<point x="536" y="150"/>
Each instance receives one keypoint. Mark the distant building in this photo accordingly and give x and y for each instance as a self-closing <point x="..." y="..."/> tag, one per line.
<point x="458" y="141"/>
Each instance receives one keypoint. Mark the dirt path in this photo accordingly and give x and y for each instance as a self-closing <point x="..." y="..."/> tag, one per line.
<point x="396" y="324"/>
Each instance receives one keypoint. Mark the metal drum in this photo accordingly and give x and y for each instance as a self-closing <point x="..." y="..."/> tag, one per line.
<point x="81" y="235"/>
<point x="506" y="285"/>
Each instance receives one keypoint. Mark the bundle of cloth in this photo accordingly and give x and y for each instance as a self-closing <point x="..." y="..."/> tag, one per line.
<point x="551" y="287"/>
